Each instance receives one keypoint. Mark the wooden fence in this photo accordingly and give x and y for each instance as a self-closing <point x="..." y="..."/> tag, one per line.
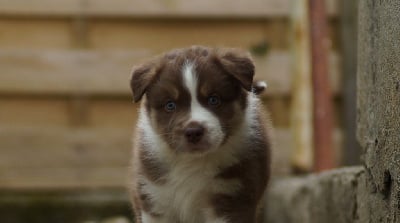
<point x="66" y="114"/>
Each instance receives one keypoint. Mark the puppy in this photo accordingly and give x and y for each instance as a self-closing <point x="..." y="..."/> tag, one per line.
<point x="201" y="150"/>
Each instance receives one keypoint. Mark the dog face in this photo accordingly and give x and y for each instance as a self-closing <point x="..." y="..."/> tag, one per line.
<point x="194" y="98"/>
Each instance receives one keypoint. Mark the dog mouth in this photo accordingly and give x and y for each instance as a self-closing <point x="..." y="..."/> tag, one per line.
<point x="201" y="147"/>
<point x="193" y="141"/>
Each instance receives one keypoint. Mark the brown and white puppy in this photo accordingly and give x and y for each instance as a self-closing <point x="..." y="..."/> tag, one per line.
<point x="201" y="152"/>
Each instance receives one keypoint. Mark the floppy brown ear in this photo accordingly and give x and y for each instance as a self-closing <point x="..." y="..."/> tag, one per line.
<point x="239" y="64"/>
<point x="142" y="76"/>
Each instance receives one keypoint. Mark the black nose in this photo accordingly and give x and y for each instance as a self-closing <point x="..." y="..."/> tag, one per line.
<point x="194" y="134"/>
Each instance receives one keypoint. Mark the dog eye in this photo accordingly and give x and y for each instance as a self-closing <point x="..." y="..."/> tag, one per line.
<point x="170" y="106"/>
<point x="214" y="101"/>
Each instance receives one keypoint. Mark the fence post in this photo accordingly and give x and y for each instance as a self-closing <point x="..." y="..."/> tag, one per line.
<point x="302" y="98"/>
<point x="323" y="144"/>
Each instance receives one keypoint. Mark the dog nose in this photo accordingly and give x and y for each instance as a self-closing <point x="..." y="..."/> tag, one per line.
<point x="194" y="134"/>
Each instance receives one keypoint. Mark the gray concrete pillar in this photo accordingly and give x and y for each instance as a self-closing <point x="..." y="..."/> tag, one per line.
<point x="378" y="105"/>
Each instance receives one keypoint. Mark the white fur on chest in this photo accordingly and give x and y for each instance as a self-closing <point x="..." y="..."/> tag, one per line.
<point x="185" y="195"/>
<point x="191" y="181"/>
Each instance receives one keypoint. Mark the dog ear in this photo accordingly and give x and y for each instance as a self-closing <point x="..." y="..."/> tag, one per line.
<point x="142" y="76"/>
<point x="239" y="64"/>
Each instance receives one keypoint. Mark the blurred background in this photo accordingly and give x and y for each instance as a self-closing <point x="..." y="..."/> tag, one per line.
<point x="66" y="111"/>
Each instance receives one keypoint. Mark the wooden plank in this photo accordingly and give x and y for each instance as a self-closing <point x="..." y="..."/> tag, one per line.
<point x="35" y="34"/>
<point x="34" y="147"/>
<point x="152" y="8"/>
<point x="154" y="34"/>
<point x="63" y="177"/>
<point x="33" y="112"/>
<point x="42" y="7"/>
<point x="60" y="112"/>
<point x="67" y="158"/>
<point x="276" y="70"/>
<point x="67" y="72"/>
<point x="161" y="35"/>
<point x="108" y="73"/>
<point x="111" y="113"/>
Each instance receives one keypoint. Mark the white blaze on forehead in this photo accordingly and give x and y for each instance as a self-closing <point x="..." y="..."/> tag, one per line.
<point x="190" y="78"/>
<point x="198" y="113"/>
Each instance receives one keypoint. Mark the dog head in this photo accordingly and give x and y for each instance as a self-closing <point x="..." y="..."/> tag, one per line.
<point x="195" y="98"/>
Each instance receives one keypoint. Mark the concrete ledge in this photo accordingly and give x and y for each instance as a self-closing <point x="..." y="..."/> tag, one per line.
<point x="330" y="197"/>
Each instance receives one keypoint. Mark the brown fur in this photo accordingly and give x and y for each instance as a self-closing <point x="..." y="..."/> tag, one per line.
<point x="227" y="73"/>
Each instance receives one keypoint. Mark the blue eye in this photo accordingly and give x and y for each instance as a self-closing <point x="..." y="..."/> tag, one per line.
<point x="170" y="106"/>
<point x="214" y="101"/>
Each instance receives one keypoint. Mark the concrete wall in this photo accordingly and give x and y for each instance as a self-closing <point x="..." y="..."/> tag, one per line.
<point x="370" y="193"/>
<point x="379" y="103"/>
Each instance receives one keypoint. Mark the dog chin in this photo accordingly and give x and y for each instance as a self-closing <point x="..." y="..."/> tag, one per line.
<point x="200" y="148"/>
